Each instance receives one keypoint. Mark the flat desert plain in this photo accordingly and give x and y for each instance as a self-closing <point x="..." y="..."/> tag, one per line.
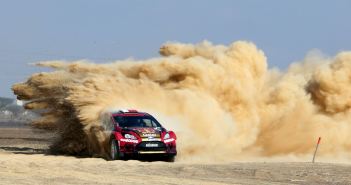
<point x="24" y="160"/>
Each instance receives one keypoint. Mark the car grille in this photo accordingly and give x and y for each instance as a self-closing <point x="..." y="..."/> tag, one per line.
<point x="150" y="146"/>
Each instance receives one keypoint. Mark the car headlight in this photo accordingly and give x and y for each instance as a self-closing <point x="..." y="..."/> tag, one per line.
<point x="129" y="136"/>
<point x="167" y="136"/>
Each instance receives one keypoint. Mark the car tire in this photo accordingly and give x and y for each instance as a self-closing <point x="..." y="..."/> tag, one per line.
<point x="114" y="150"/>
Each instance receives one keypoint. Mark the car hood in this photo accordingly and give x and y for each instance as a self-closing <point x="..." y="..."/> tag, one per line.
<point x="148" y="132"/>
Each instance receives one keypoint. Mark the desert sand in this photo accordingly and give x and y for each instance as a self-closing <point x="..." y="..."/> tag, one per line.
<point x="24" y="160"/>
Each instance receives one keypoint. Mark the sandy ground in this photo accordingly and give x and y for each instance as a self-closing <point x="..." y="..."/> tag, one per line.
<point x="24" y="160"/>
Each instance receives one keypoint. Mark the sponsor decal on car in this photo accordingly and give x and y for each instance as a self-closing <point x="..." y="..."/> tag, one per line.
<point x="145" y="130"/>
<point x="151" y="139"/>
<point x="149" y="134"/>
<point x="129" y="140"/>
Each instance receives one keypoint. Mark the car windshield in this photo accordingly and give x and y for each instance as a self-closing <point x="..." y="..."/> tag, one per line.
<point x="136" y="121"/>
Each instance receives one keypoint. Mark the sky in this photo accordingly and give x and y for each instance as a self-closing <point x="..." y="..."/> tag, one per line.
<point x="108" y="30"/>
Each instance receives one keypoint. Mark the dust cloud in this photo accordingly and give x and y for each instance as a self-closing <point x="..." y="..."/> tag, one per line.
<point x="222" y="101"/>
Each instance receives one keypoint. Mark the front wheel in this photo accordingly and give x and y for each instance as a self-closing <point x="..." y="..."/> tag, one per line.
<point x="114" y="150"/>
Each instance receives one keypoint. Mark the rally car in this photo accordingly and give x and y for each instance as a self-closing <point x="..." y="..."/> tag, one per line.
<point x="135" y="133"/>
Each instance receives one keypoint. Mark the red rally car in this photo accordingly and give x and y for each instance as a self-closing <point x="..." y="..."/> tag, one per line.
<point x="138" y="133"/>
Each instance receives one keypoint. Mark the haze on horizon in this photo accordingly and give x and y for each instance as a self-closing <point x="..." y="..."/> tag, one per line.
<point x="104" y="31"/>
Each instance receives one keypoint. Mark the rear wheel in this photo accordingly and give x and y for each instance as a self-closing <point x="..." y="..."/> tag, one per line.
<point x="114" y="150"/>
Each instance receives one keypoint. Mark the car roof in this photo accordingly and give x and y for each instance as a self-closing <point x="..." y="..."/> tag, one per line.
<point x="129" y="112"/>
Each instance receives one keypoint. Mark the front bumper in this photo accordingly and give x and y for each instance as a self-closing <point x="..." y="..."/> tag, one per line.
<point x="148" y="147"/>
